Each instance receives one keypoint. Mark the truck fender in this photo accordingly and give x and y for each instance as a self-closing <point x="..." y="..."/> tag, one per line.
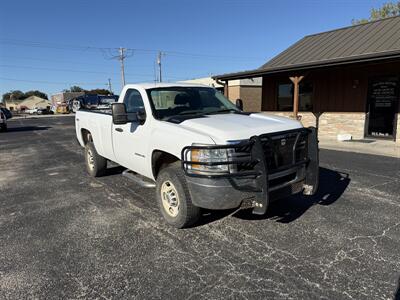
<point x="160" y="159"/>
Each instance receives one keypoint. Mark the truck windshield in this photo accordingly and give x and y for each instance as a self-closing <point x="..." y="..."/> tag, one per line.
<point x="173" y="101"/>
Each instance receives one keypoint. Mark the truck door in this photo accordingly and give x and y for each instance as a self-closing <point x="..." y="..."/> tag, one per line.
<point x="129" y="139"/>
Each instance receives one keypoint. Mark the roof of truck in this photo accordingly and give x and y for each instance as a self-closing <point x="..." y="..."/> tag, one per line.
<point x="151" y="85"/>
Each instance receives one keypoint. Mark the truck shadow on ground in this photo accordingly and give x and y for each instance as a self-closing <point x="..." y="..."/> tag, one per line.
<point x="27" y="128"/>
<point x="331" y="187"/>
<point x="114" y="170"/>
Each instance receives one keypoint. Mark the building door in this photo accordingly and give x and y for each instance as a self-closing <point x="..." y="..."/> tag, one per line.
<point x="382" y="103"/>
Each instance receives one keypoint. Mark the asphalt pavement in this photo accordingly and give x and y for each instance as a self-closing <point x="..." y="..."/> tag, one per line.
<point x="64" y="234"/>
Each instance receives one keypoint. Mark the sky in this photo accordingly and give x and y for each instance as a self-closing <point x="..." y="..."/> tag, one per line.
<point x="50" y="45"/>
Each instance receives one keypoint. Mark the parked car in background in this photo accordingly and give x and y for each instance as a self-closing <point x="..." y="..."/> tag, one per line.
<point x="33" y="111"/>
<point x="93" y="101"/>
<point x="6" y="112"/>
<point x="106" y="101"/>
<point x="76" y="105"/>
<point x="44" y="111"/>
<point x="3" y="121"/>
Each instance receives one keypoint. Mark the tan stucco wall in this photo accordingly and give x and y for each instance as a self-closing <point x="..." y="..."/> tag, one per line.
<point x="233" y="93"/>
<point x="251" y="96"/>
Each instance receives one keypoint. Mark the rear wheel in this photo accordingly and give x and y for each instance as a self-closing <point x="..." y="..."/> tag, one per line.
<point x="174" y="199"/>
<point x="96" y="164"/>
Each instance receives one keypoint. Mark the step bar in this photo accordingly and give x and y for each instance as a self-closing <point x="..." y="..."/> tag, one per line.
<point x="138" y="179"/>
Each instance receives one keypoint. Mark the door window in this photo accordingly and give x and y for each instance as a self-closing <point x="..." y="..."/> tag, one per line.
<point x="382" y="103"/>
<point x="134" y="103"/>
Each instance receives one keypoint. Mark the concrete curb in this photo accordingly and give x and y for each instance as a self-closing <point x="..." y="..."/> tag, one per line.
<point x="382" y="148"/>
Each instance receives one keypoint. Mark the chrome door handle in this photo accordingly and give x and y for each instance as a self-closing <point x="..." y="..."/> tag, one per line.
<point x="119" y="129"/>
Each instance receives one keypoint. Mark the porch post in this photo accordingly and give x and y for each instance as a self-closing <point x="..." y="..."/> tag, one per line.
<point x="296" y="80"/>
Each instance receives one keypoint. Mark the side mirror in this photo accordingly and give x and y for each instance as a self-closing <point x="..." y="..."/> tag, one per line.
<point x="239" y="104"/>
<point x="119" y="115"/>
<point x="141" y="116"/>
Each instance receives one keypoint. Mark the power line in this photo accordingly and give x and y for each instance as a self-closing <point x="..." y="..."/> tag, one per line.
<point x="52" y="82"/>
<point x="108" y="49"/>
<point x="49" y="45"/>
<point x="83" y="71"/>
<point x="74" y="71"/>
<point x="50" y="60"/>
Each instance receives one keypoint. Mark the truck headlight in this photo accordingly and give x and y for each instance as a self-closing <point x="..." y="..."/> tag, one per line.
<point x="209" y="155"/>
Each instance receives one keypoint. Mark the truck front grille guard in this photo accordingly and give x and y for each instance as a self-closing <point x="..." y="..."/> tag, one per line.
<point x="257" y="166"/>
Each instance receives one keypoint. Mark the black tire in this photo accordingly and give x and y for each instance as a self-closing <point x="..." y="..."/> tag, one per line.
<point x="3" y="127"/>
<point x="96" y="164"/>
<point x="187" y="213"/>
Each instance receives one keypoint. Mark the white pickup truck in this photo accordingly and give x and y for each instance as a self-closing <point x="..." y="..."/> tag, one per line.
<point x="199" y="149"/>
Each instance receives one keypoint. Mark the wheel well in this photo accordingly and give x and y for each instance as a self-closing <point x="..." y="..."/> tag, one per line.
<point x="161" y="159"/>
<point x="86" y="136"/>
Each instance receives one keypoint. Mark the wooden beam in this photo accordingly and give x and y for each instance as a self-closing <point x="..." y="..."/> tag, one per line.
<point x="296" y="80"/>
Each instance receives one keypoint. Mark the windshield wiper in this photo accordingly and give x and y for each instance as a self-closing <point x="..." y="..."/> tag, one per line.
<point x="222" y="111"/>
<point x="190" y="112"/>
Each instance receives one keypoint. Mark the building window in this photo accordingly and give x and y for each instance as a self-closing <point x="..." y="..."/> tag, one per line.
<point x="305" y="96"/>
<point x="285" y="96"/>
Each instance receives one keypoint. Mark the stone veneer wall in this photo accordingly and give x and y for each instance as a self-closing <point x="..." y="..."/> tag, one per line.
<point x="333" y="123"/>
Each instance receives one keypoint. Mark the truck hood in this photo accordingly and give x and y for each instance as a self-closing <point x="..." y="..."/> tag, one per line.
<point x="231" y="127"/>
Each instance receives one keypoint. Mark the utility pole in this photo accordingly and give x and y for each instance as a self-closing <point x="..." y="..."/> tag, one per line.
<point x="159" y="65"/>
<point x="123" y="53"/>
<point x="121" y="59"/>
<point x="109" y="85"/>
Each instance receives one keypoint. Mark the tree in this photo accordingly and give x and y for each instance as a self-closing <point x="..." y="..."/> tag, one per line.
<point x="13" y="95"/>
<point x="99" y="92"/>
<point x="74" y="88"/>
<point x="389" y="9"/>
<point x="36" y="93"/>
<point x="19" y="95"/>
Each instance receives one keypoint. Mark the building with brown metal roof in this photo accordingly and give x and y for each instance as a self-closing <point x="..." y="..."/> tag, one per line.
<point x="345" y="81"/>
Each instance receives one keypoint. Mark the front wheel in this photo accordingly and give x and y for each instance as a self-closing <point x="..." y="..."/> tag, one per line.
<point x="174" y="199"/>
<point x="96" y="164"/>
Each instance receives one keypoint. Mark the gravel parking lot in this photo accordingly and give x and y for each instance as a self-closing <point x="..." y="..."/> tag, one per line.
<point x="66" y="235"/>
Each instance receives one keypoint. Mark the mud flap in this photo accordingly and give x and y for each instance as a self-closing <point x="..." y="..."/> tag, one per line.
<point x="261" y="201"/>
<point x="312" y="170"/>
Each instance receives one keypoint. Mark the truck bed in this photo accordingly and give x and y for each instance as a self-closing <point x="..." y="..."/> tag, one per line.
<point x="99" y="123"/>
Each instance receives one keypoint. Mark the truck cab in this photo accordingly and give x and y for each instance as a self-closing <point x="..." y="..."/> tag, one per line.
<point x="200" y="149"/>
